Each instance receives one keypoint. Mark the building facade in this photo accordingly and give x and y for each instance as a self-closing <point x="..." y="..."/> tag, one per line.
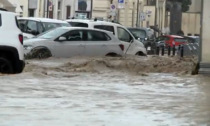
<point x="205" y="44"/>
<point x="11" y="5"/>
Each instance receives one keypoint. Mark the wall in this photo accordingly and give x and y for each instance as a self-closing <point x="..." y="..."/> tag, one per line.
<point x="24" y="4"/>
<point x="191" y="23"/>
<point x="205" y="33"/>
<point x="150" y="20"/>
<point x="195" y="6"/>
<point x="126" y="16"/>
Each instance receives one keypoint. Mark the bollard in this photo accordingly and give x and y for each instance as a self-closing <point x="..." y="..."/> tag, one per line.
<point x="158" y="51"/>
<point x="182" y="51"/>
<point x="163" y="51"/>
<point x="174" y="50"/>
<point x="169" y="50"/>
<point x="179" y="47"/>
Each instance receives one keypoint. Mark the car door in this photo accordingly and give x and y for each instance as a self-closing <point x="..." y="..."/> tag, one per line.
<point x="70" y="44"/>
<point x="125" y="37"/>
<point x="97" y="43"/>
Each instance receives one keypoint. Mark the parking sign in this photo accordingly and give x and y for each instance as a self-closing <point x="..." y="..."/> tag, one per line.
<point x="121" y="3"/>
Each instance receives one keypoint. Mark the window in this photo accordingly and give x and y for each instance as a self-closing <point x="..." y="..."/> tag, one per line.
<point x="97" y="36"/>
<point x="76" y="35"/>
<point x="31" y="12"/>
<point x="22" y="24"/>
<point x="180" y="40"/>
<point x="31" y="26"/>
<point x="40" y="28"/>
<point x="123" y="35"/>
<point x="48" y="25"/>
<point x="138" y="33"/>
<point x="0" y="20"/>
<point x="105" y="27"/>
<point x="163" y="38"/>
<point x="78" y="24"/>
<point x="53" y="33"/>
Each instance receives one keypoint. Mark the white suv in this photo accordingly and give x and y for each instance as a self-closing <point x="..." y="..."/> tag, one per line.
<point x="11" y="44"/>
<point x="31" y="26"/>
<point x="132" y="46"/>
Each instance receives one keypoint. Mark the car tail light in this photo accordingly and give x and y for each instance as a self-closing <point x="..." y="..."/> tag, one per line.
<point x="121" y="47"/>
<point x="21" y="39"/>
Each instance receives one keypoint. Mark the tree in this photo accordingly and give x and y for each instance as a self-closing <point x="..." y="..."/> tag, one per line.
<point x="176" y="7"/>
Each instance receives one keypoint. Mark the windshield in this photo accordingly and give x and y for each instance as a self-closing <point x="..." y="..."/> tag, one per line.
<point x="180" y="40"/>
<point x="52" y="33"/>
<point x="48" y="25"/>
<point x="138" y="33"/>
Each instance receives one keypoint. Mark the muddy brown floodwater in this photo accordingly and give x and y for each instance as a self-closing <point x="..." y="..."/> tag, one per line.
<point x="105" y="92"/>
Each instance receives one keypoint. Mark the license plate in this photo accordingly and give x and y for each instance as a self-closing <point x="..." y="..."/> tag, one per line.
<point x="149" y="48"/>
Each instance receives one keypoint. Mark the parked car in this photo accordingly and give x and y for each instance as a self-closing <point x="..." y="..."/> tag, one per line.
<point x="146" y="36"/>
<point x="31" y="26"/>
<point x="132" y="46"/>
<point x="11" y="40"/>
<point x="171" y="40"/>
<point x="69" y="41"/>
<point x="193" y="39"/>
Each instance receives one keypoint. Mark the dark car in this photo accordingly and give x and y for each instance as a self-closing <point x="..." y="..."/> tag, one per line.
<point x="146" y="36"/>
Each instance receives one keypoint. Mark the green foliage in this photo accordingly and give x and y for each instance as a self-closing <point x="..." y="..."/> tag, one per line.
<point x="185" y="4"/>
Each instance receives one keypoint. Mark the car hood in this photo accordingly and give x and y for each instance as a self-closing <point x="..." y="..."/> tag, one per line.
<point x="34" y="40"/>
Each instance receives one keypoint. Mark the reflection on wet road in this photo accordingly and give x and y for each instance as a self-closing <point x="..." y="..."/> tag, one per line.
<point x="111" y="98"/>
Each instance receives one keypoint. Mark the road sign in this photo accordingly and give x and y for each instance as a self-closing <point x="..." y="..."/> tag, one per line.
<point x="121" y="1"/>
<point x="142" y="16"/>
<point x="121" y="4"/>
<point x="113" y="7"/>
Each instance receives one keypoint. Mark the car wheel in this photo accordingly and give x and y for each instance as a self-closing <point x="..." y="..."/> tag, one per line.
<point x="140" y="54"/>
<point x="5" y="66"/>
<point x="41" y="53"/>
<point x="112" y="55"/>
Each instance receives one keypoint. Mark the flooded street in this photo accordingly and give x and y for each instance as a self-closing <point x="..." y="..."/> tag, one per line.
<point x="62" y="93"/>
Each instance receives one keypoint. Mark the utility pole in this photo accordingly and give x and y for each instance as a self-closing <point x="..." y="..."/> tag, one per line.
<point x="91" y="13"/>
<point x="137" y="16"/>
<point x="47" y="8"/>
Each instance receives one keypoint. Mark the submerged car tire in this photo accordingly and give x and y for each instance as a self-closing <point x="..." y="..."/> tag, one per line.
<point x="112" y="55"/>
<point x="5" y="66"/>
<point x="41" y="53"/>
<point x="140" y="54"/>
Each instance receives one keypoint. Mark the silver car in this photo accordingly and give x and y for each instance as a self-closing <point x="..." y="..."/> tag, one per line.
<point x="71" y="41"/>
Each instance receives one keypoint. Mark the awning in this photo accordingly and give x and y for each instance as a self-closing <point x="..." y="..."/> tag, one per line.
<point x="12" y="4"/>
<point x="7" y="3"/>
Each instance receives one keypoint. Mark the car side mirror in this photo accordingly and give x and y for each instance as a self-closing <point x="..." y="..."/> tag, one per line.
<point x="62" y="38"/>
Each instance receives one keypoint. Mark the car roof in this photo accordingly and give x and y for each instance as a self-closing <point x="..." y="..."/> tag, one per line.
<point x="93" y="22"/>
<point x="83" y="28"/>
<point x="139" y="28"/>
<point x="7" y="12"/>
<point x="42" y="19"/>
<point x="174" y="36"/>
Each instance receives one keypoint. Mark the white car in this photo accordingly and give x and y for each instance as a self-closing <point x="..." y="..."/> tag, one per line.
<point x="31" y="26"/>
<point x="132" y="46"/>
<point x="11" y="44"/>
<point x="70" y="41"/>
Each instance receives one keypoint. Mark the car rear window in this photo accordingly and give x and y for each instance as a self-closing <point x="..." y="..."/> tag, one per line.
<point x="180" y="40"/>
<point x="78" y="24"/>
<point x="105" y="27"/>
<point x="0" y="20"/>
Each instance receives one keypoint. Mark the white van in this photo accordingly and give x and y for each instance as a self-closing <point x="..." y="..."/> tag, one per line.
<point x="132" y="46"/>
<point x="11" y="44"/>
<point x="31" y="26"/>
